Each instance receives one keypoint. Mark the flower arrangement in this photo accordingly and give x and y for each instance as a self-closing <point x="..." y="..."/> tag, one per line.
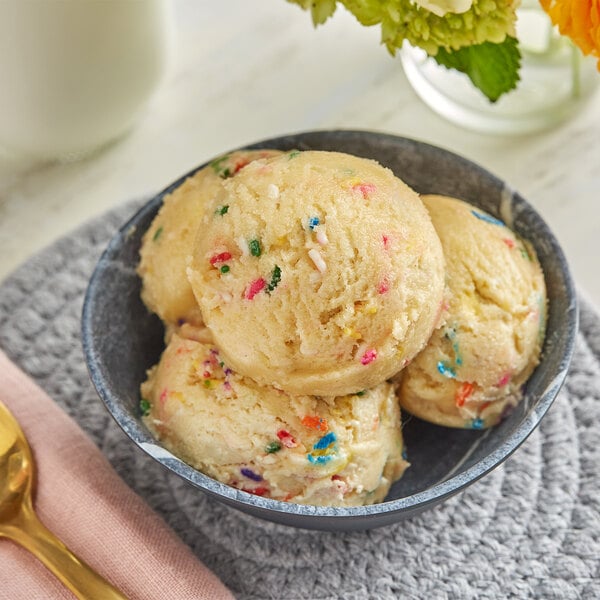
<point x="476" y="37"/>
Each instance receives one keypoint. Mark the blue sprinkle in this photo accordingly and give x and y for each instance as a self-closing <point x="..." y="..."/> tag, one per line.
<point x="325" y="441"/>
<point x="446" y="370"/>
<point x="404" y="454"/>
<point x="477" y="423"/>
<point x="319" y="460"/>
<point x="250" y="474"/>
<point x="487" y="218"/>
<point x="313" y="222"/>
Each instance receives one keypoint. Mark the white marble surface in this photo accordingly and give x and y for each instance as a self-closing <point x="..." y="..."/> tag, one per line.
<point x="244" y="71"/>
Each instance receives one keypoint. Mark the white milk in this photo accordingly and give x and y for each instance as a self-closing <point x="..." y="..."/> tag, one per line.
<point x="75" y="73"/>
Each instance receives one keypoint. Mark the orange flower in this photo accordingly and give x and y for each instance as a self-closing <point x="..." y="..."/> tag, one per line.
<point x="579" y="20"/>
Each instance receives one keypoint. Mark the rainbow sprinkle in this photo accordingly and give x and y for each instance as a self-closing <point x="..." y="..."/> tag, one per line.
<point x="217" y="165"/>
<point x="272" y="447"/>
<point x="503" y="380"/>
<point x="364" y="188"/>
<point x="254" y="288"/>
<point x="446" y="370"/>
<point x="487" y="218"/>
<point x="314" y="422"/>
<point x="275" y="279"/>
<point x="254" y="246"/>
<point x="323" y="449"/>
<point x="384" y="285"/>
<point x="157" y="234"/>
<point x="463" y="392"/>
<point x="250" y="474"/>
<point x="317" y="259"/>
<point x="287" y="439"/>
<point x="368" y="357"/>
<point x="220" y="257"/>
<point x="145" y="407"/>
<point x="258" y="491"/>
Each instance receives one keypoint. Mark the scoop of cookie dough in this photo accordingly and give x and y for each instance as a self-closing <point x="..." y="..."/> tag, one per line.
<point x="473" y="367"/>
<point x="324" y="276"/>
<point x="169" y="240"/>
<point x="324" y="451"/>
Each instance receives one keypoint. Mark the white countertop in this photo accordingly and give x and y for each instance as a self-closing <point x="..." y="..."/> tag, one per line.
<point x="242" y="74"/>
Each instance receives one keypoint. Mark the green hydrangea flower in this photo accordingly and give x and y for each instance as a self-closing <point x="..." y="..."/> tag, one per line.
<point x="486" y="21"/>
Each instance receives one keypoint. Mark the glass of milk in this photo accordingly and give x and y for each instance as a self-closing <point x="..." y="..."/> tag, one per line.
<point x="75" y="74"/>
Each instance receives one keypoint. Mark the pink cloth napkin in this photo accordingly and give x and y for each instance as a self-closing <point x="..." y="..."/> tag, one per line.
<point x="83" y="501"/>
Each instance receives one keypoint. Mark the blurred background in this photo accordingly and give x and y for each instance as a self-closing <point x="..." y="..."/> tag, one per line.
<point x="236" y="72"/>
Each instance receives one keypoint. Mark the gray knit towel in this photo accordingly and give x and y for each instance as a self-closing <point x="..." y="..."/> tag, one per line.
<point x="529" y="529"/>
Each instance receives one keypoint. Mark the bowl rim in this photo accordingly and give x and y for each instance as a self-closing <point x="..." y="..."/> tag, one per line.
<point x="268" y="507"/>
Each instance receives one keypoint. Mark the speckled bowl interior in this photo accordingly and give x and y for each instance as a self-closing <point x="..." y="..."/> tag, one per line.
<point x="122" y="339"/>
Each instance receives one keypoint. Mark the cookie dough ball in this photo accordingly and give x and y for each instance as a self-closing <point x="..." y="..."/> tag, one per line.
<point x="324" y="451"/>
<point x="170" y="238"/>
<point x="325" y="276"/>
<point x="473" y="368"/>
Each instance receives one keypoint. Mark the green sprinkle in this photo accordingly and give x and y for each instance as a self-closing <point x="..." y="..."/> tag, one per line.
<point x="219" y="169"/>
<point x="145" y="407"/>
<point x="208" y="383"/>
<point x="275" y="279"/>
<point x="225" y="269"/>
<point x="361" y="393"/>
<point x="272" y="447"/>
<point x="222" y="210"/>
<point x="525" y="254"/>
<point x="294" y="154"/>
<point x="157" y="234"/>
<point x="254" y="246"/>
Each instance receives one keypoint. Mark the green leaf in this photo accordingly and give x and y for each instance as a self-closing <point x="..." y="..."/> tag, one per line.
<point x="493" y="68"/>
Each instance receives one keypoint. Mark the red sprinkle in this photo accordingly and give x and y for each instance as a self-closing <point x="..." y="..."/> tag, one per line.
<point x="384" y="285"/>
<point x="286" y="438"/>
<point x="259" y="491"/>
<point x="240" y="163"/>
<point x="219" y="258"/>
<point x="365" y="189"/>
<point x="206" y="374"/>
<point x="509" y="243"/>
<point x="386" y="241"/>
<point x="503" y="380"/>
<point x="163" y="396"/>
<point x="254" y="288"/>
<point x="463" y="392"/>
<point x="369" y="356"/>
<point x="313" y="422"/>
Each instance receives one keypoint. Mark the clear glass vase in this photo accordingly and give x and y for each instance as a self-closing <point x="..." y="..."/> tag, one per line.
<point x="555" y="81"/>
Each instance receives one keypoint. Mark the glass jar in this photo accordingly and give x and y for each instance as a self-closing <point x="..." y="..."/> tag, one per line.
<point x="555" y="81"/>
<point x="74" y="75"/>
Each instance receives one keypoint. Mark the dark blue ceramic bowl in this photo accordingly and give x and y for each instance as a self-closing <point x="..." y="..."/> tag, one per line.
<point x="121" y="340"/>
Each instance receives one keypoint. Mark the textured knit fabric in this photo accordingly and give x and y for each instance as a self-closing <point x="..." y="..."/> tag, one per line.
<point x="529" y="529"/>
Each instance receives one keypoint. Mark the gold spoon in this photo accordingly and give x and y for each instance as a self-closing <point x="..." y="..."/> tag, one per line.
<point x="19" y="522"/>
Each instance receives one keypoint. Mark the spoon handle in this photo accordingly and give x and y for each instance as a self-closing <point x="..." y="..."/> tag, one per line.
<point x="28" y="531"/>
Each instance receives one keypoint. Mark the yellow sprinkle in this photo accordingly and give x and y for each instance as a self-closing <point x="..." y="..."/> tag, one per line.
<point x="371" y="309"/>
<point x="351" y="332"/>
<point x="177" y="396"/>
